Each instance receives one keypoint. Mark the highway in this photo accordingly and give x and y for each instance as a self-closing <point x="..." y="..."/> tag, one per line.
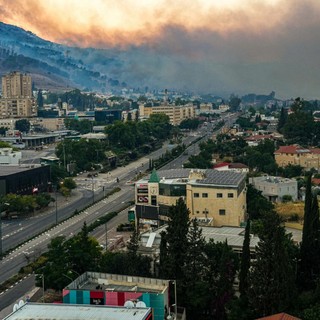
<point x="18" y="258"/>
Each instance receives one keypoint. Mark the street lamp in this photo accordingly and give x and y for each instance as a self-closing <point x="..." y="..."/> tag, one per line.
<point x="92" y="190"/>
<point x="42" y="277"/>
<point x="56" y="202"/>
<point x="175" y="299"/>
<point x="1" y="249"/>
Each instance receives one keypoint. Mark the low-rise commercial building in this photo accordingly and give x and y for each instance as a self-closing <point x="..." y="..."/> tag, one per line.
<point x="275" y="188"/>
<point x="216" y="197"/>
<point x="23" y="180"/>
<point x="119" y="290"/>
<point x="54" y="311"/>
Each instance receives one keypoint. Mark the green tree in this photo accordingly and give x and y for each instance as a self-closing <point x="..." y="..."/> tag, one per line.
<point x="133" y="244"/>
<point x="69" y="183"/>
<point x="234" y="102"/>
<point x="282" y="119"/>
<point x="194" y="270"/>
<point x="84" y="252"/>
<point x="271" y="280"/>
<point x="23" y="125"/>
<point x="245" y="262"/>
<point x="56" y="265"/>
<point x="3" y="131"/>
<point x="257" y="204"/>
<point x="221" y="268"/>
<point x="310" y="251"/>
<point x="177" y="239"/>
<point x="299" y="125"/>
<point x="43" y="200"/>
<point x="40" y="99"/>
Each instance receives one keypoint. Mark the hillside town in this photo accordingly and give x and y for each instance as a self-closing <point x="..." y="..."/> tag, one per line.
<point x="157" y="205"/>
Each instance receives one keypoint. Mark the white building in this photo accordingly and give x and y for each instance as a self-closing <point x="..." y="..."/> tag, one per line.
<point x="274" y="188"/>
<point x="9" y="157"/>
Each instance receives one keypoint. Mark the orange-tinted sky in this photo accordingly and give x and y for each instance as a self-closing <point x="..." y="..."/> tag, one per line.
<point x="245" y="45"/>
<point x="110" y="22"/>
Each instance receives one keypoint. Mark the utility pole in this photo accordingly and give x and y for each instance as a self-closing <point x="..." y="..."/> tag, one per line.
<point x="64" y="155"/>
<point x="55" y="193"/>
<point x="106" y="230"/>
<point x="92" y="191"/>
<point x="0" y="236"/>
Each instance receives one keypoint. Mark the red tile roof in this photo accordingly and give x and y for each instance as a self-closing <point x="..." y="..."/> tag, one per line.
<point x="316" y="181"/>
<point x="297" y="149"/>
<point x="221" y="164"/>
<point x="289" y="149"/>
<point x="280" y="316"/>
<point x="237" y="165"/>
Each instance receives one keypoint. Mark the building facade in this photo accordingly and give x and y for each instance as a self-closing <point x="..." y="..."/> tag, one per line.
<point x="275" y="188"/>
<point x="23" y="180"/>
<point x="17" y="100"/>
<point x="296" y="155"/>
<point x="16" y="85"/>
<point x="217" y="198"/>
<point x="175" y="113"/>
<point x="117" y="290"/>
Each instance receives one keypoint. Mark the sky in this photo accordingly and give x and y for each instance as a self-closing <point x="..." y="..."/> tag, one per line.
<point x="232" y="45"/>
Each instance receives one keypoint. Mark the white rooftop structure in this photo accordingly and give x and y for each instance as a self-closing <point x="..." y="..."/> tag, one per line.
<point x="46" y="311"/>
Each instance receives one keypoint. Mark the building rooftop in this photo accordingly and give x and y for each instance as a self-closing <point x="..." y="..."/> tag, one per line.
<point x="233" y="235"/>
<point x="206" y="176"/>
<point x="272" y="179"/>
<point x="120" y="283"/>
<point x="6" y="170"/>
<point x="42" y="311"/>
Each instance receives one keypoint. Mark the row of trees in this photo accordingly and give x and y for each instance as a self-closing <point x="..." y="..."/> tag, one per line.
<point x="67" y="259"/>
<point x="22" y="204"/>
<point x="26" y="204"/>
<point x="125" y="140"/>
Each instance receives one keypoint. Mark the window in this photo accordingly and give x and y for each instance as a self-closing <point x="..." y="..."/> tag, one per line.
<point x="219" y="195"/>
<point x="153" y="200"/>
<point x="230" y="195"/>
<point x="204" y="195"/>
<point x="222" y="212"/>
<point x="196" y="195"/>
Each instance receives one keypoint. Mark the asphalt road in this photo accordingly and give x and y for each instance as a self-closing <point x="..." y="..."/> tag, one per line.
<point x="29" y="251"/>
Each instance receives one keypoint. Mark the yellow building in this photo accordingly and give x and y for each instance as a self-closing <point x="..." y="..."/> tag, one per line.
<point x="17" y="100"/>
<point x="16" y="85"/>
<point x="175" y="113"/>
<point x="214" y="197"/>
<point x="17" y="108"/>
<point x="296" y="155"/>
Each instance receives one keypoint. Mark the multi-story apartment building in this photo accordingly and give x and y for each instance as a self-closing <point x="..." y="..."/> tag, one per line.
<point x="17" y="100"/>
<point x="215" y="197"/>
<point x="296" y="155"/>
<point x="16" y="85"/>
<point x="175" y="113"/>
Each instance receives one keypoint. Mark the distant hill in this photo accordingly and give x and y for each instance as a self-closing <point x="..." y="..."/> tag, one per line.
<point x="54" y="66"/>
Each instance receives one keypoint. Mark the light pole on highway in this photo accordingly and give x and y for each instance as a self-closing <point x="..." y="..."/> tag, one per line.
<point x="92" y="190"/>
<point x="3" y="204"/>
<point x="56" y="203"/>
<point x="42" y="278"/>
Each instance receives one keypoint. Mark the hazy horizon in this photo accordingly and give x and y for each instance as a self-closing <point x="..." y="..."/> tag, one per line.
<point x="238" y="46"/>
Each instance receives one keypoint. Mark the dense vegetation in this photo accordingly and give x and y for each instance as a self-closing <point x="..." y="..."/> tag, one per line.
<point x="126" y="141"/>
